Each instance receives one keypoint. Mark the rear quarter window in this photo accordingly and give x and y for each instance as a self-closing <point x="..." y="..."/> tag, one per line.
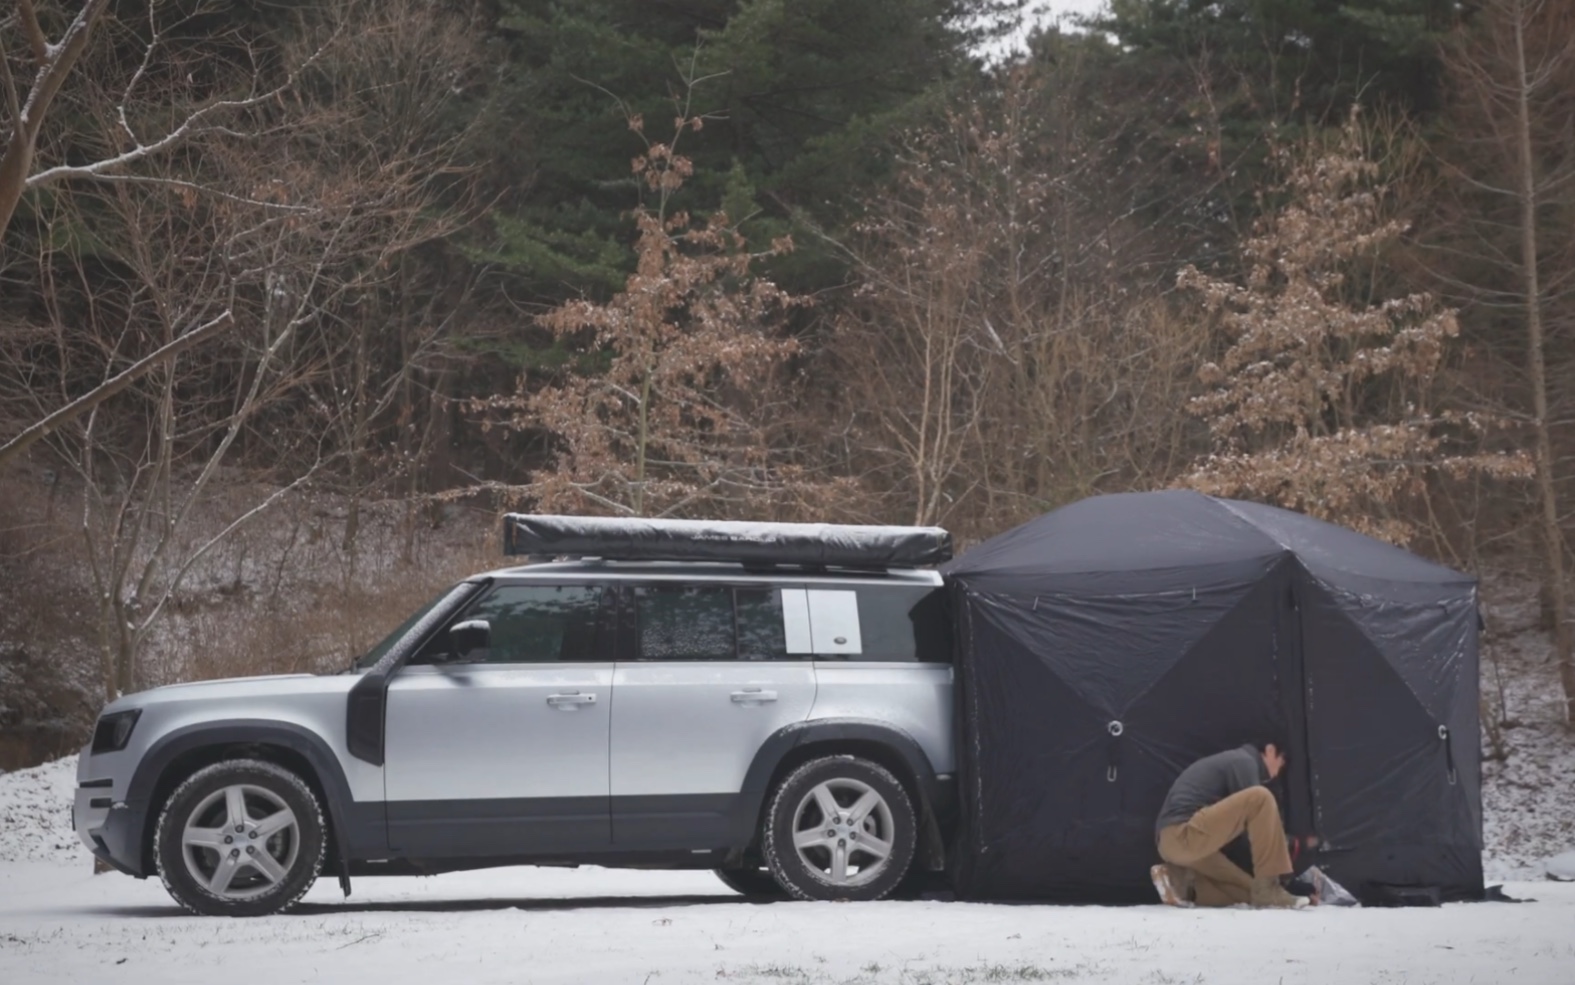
<point x="904" y="623"/>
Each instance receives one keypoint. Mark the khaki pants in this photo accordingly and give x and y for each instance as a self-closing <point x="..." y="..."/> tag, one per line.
<point x="1196" y="845"/>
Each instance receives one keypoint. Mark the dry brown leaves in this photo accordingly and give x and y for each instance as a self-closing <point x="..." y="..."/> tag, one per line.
<point x="1319" y="403"/>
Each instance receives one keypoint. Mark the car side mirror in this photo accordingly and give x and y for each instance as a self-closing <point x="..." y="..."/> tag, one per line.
<point x="472" y="634"/>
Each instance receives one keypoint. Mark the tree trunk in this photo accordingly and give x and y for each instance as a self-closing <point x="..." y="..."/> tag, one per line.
<point x="107" y="648"/>
<point x="358" y="429"/>
<point x="1551" y="536"/>
<point x="125" y="652"/>
<point x="54" y="64"/>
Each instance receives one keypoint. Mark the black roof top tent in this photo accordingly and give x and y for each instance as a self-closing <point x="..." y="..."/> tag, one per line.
<point x="1108" y="644"/>
<point x="805" y="544"/>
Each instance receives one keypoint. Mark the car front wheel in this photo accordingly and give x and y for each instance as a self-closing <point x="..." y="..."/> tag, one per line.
<point x="243" y="837"/>
<point x="840" y="828"/>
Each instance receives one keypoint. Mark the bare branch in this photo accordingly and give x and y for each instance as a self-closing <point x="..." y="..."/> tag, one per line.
<point x="201" y="189"/>
<point x="109" y="388"/>
<point x="179" y="577"/>
<point x="35" y="33"/>
<point x="190" y="126"/>
<point x="55" y="63"/>
<point x="13" y="101"/>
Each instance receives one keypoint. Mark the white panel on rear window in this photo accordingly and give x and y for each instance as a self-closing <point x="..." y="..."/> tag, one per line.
<point x="834" y="621"/>
<point x="795" y="621"/>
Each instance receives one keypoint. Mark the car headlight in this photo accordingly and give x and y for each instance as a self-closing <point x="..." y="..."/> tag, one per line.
<point x="114" y="731"/>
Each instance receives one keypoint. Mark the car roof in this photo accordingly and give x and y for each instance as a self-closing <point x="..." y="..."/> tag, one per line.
<point x="592" y="569"/>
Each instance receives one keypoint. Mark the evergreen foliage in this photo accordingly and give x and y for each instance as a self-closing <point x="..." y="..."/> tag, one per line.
<point x="796" y="99"/>
<point x="1296" y="60"/>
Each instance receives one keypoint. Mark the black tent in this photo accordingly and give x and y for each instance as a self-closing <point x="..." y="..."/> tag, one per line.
<point x="1106" y="645"/>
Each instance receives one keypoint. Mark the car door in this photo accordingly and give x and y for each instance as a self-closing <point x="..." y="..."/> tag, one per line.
<point x="704" y="678"/>
<point x="503" y="751"/>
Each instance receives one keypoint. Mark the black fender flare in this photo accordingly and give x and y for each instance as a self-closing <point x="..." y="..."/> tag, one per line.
<point x="330" y="777"/>
<point x="776" y="748"/>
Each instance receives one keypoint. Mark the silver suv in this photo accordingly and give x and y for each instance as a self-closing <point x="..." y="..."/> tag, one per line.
<point x="787" y="723"/>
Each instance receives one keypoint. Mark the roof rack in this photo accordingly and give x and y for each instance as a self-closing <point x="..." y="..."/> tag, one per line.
<point x="810" y="544"/>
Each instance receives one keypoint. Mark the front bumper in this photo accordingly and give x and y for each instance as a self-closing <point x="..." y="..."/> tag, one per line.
<point x="108" y="825"/>
<point x="115" y="841"/>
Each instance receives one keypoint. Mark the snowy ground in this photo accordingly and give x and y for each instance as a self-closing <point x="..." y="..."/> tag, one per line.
<point x="59" y="923"/>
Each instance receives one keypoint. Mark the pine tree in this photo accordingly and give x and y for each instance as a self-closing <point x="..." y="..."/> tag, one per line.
<point x="799" y="99"/>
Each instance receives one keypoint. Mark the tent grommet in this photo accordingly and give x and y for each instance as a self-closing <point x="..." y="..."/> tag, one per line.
<point x="1115" y="729"/>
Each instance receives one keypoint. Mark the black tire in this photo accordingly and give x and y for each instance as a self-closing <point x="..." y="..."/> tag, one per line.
<point x="811" y="878"/>
<point x="755" y="882"/>
<point x="202" y="805"/>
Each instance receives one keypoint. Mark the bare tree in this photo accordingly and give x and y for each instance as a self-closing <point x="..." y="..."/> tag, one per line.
<point x="1009" y="346"/>
<point x="128" y="145"/>
<point x="1511" y="255"/>
<point x="290" y="229"/>
<point x="52" y="63"/>
<point x="392" y="145"/>
<point x="1320" y="403"/>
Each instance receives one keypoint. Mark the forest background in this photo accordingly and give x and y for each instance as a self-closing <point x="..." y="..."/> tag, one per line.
<point x="296" y="298"/>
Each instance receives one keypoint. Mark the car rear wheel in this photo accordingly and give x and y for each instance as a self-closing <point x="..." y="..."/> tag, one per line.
<point x="240" y="838"/>
<point x="840" y="828"/>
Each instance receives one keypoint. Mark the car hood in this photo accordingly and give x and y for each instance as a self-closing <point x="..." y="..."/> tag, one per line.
<point x="274" y="685"/>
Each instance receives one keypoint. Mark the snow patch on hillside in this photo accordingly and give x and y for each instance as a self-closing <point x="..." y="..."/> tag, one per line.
<point x="35" y="815"/>
<point x="1528" y="797"/>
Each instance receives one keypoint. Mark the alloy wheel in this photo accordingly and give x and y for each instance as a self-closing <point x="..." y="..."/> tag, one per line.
<point x="240" y="841"/>
<point x="843" y="829"/>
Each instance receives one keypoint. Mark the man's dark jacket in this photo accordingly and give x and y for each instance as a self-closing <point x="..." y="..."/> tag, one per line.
<point x="1209" y="781"/>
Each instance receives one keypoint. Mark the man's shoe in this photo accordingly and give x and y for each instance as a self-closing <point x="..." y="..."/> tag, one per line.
<point x="1173" y="883"/>
<point x="1268" y="893"/>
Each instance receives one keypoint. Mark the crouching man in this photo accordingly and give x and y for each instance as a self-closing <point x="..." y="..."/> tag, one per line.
<point x="1211" y="803"/>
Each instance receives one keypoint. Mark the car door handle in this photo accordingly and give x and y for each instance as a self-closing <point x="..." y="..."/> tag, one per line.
<point x="571" y="700"/>
<point x="753" y="695"/>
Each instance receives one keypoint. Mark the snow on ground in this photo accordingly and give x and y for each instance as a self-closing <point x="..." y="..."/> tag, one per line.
<point x="60" y="924"/>
<point x="1562" y="867"/>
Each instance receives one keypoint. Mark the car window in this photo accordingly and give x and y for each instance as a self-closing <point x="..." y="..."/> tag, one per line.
<point x="534" y="624"/>
<point x="903" y="623"/>
<point x="760" y="630"/>
<point x="684" y="623"/>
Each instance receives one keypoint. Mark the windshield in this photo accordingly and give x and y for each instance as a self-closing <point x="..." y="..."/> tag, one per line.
<point x="372" y="656"/>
